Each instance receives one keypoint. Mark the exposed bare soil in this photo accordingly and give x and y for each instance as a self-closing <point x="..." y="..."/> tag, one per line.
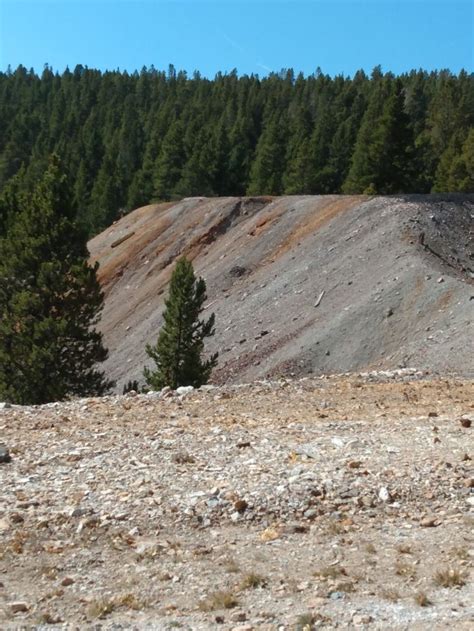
<point x="303" y="284"/>
<point x="341" y="502"/>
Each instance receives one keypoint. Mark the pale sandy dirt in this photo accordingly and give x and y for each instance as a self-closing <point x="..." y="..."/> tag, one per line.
<point x="339" y="499"/>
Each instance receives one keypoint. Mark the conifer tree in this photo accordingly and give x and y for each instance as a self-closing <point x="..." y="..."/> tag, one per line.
<point x="170" y="162"/>
<point x="456" y="167"/>
<point x="50" y="301"/>
<point x="178" y="351"/>
<point x="381" y="162"/>
<point x="267" y="170"/>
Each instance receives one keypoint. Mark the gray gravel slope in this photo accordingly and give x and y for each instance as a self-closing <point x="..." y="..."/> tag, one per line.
<point x="396" y="272"/>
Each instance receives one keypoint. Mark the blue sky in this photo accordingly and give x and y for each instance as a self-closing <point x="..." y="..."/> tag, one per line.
<point x="255" y="36"/>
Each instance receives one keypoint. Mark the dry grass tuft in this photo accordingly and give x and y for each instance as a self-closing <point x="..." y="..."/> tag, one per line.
<point x="231" y="566"/>
<point x="407" y="570"/>
<point x="422" y="599"/>
<point x="335" y="528"/>
<point x="306" y="622"/>
<point x="17" y="542"/>
<point x="450" y="577"/>
<point x="182" y="457"/>
<point x="390" y="594"/>
<point x="346" y="587"/>
<point x="219" y="600"/>
<point x="130" y="601"/>
<point x="331" y="571"/>
<point x="460" y="552"/>
<point x="47" y="618"/>
<point x="102" y="607"/>
<point x="252" y="581"/>
<point x="48" y="571"/>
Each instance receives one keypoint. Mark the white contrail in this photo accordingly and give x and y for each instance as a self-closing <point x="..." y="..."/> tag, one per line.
<point x="241" y="49"/>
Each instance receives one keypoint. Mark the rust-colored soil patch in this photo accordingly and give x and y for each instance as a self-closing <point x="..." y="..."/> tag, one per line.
<point x="317" y="220"/>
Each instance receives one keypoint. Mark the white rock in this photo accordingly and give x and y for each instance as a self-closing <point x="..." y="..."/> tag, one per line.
<point x="384" y="494"/>
<point x="184" y="389"/>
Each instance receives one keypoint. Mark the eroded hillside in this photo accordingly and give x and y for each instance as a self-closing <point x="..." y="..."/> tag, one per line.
<point x="299" y="284"/>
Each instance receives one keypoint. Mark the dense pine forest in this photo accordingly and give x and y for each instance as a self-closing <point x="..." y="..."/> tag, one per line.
<point x="128" y="139"/>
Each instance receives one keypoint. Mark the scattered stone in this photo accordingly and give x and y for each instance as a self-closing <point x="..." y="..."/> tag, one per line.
<point x="67" y="581"/>
<point x="19" y="607"/>
<point x="465" y="422"/>
<point x="240" y="505"/>
<point x="16" y="518"/>
<point x="354" y="464"/>
<point x="367" y="501"/>
<point x="361" y="619"/>
<point x="4" y="405"/>
<point x="239" y="616"/>
<point x="297" y="528"/>
<point x="270" y="534"/>
<point x="311" y="513"/>
<point x="183" y="390"/>
<point x="384" y="494"/>
<point x="429" y="522"/>
<point x="4" y="454"/>
<point x="237" y="270"/>
<point x="243" y="444"/>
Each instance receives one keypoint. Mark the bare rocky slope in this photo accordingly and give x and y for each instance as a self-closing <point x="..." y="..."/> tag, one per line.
<point x="299" y="284"/>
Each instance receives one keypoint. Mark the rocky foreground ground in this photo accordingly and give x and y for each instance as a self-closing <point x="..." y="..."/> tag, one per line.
<point x="340" y="502"/>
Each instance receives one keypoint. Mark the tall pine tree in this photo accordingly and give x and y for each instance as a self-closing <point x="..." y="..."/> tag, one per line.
<point x="50" y="301"/>
<point x="178" y="351"/>
<point x="381" y="162"/>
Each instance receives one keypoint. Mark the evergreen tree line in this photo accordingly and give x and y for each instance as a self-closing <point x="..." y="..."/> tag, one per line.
<point x="129" y="139"/>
